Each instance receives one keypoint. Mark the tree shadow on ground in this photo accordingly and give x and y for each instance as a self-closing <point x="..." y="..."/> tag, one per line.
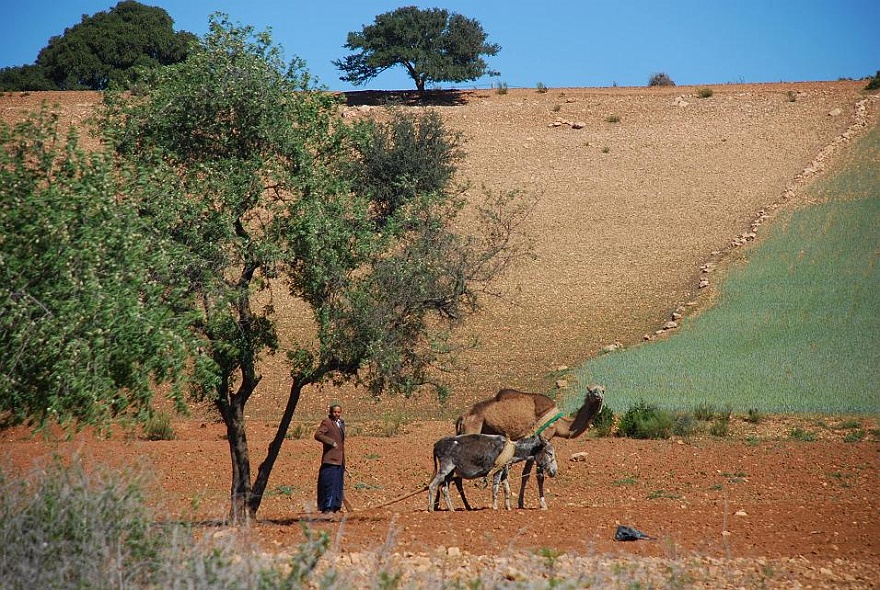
<point x="437" y="98"/>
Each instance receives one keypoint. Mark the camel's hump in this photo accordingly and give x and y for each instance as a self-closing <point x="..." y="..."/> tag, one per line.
<point x="514" y="417"/>
<point x="542" y="403"/>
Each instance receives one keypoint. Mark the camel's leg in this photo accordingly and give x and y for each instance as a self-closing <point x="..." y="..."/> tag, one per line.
<point x="539" y="475"/>
<point x="527" y="471"/>
<point x="460" y="487"/>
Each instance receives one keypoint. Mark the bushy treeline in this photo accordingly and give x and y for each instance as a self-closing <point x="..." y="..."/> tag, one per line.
<point x="103" y="49"/>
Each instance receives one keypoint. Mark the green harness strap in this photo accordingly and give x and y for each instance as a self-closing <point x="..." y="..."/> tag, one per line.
<point x="548" y="423"/>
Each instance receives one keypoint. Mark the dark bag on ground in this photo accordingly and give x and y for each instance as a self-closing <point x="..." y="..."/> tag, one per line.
<point x="626" y="533"/>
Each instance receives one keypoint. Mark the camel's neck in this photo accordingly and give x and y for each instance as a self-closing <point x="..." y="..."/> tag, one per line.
<point x="576" y="425"/>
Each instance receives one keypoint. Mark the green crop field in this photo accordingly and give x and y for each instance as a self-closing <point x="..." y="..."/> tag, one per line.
<point x="796" y="328"/>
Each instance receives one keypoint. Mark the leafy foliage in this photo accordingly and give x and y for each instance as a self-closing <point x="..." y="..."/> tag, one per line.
<point x="433" y="45"/>
<point x="107" y="47"/>
<point x="405" y="158"/>
<point x="25" y="78"/>
<point x="85" y="296"/>
<point x="874" y="82"/>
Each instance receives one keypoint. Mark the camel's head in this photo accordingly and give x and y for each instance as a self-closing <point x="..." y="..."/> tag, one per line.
<point x="546" y="459"/>
<point x="595" y="390"/>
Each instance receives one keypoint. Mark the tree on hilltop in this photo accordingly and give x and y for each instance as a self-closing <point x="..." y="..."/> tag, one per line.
<point x="108" y="46"/>
<point x="433" y="45"/>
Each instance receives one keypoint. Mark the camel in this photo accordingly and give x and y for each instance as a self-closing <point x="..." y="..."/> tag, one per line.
<point x="519" y="414"/>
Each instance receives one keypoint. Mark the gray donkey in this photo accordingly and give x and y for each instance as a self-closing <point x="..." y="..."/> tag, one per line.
<point x="469" y="456"/>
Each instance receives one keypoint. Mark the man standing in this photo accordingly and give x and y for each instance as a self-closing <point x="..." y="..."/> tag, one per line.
<point x="331" y="434"/>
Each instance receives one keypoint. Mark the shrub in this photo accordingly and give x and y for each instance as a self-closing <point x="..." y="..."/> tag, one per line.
<point x="392" y="424"/>
<point x="754" y="416"/>
<point x="62" y="527"/>
<point x="802" y="435"/>
<point x="705" y="92"/>
<point x="792" y="96"/>
<point x="704" y="412"/>
<point x="612" y="119"/>
<point x="541" y="88"/>
<point x="874" y="83"/>
<point x="158" y="427"/>
<point x="683" y="424"/>
<point x="720" y="427"/>
<point x="660" y="79"/>
<point x="64" y="524"/>
<point x="645" y="421"/>
<point x="501" y="88"/>
<point x="604" y="421"/>
<point x="848" y="425"/>
<point x="855" y="436"/>
<point x="299" y="430"/>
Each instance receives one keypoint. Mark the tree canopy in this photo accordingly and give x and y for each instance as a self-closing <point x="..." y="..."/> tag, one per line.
<point x="89" y="306"/>
<point x="101" y="49"/>
<point x="433" y="45"/>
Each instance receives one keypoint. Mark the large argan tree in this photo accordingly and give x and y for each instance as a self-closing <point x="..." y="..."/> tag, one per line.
<point x="108" y="47"/>
<point x="273" y="190"/>
<point x="433" y="45"/>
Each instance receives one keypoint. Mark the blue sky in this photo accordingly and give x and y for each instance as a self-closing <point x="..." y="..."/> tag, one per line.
<point x="562" y="43"/>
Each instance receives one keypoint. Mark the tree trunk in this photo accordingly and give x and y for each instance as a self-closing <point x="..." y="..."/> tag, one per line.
<point x="236" y="436"/>
<point x="266" y="466"/>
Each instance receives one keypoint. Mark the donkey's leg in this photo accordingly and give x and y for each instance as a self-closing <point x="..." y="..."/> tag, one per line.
<point x="499" y="479"/>
<point x="436" y="485"/>
<point x="460" y="487"/>
<point x="527" y="471"/>
<point x="539" y="475"/>
<point x="433" y="492"/>
<point x="446" y="493"/>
